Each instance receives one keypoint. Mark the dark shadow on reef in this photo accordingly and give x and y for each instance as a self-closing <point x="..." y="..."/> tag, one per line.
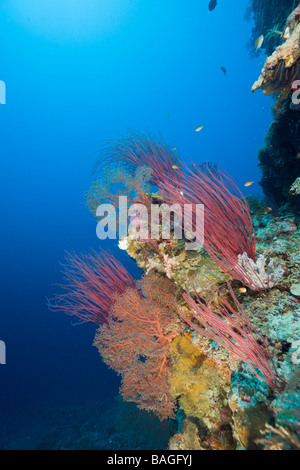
<point x="278" y="158"/>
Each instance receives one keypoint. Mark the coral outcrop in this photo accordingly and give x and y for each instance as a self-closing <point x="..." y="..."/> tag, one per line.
<point x="193" y="342"/>
<point x="221" y="402"/>
<point x="269" y="18"/>
<point x="278" y="158"/>
<point x="282" y="67"/>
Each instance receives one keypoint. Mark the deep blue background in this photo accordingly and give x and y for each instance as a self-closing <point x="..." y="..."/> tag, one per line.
<point x="78" y="74"/>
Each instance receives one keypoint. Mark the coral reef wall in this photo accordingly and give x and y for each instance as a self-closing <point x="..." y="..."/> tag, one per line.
<point x="209" y="338"/>
<point x="279" y="159"/>
<point x="196" y="344"/>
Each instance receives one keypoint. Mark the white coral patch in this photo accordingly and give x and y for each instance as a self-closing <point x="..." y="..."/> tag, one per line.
<point x="123" y="243"/>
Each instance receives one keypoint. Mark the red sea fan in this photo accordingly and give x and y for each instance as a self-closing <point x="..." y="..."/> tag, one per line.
<point x="117" y="182"/>
<point x="232" y="329"/>
<point x="135" y="343"/>
<point x="91" y="281"/>
<point x="140" y="150"/>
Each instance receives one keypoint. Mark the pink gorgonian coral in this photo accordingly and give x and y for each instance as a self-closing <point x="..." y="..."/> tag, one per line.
<point x="228" y="233"/>
<point x="135" y="343"/>
<point x="140" y="150"/>
<point x="91" y="281"/>
<point x="231" y="328"/>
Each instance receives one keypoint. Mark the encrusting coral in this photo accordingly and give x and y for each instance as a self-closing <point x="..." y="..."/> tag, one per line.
<point x="200" y="388"/>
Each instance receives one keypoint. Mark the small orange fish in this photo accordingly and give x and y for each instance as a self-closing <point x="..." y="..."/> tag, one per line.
<point x="174" y="148"/>
<point x="242" y="290"/>
<point x="298" y="155"/>
<point x="249" y="183"/>
<point x="199" y="128"/>
<point x="210" y="362"/>
<point x="175" y="167"/>
<point x="268" y="210"/>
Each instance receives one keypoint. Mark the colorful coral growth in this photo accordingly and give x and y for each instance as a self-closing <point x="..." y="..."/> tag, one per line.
<point x="140" y="150"/>
<point x="135" y="343"/>
<point x="116" y="182"/>
<point x="228" y="232"/>
<point x="282" y="67"/>
<point x="221" y="377"/>
<point x="200" y="389"/>
<point x="91" y="281"/>
<point x="233" y="330"/>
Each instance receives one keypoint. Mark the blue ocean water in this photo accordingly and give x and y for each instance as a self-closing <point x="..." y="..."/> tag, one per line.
<point x="79" y="73"/>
